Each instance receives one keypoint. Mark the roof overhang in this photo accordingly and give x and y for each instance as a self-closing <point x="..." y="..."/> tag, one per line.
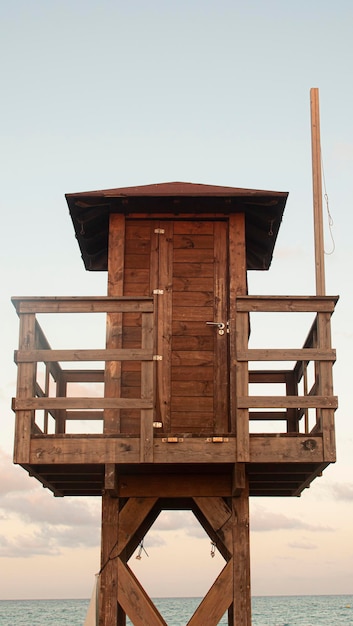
<point x="263" y="211"/>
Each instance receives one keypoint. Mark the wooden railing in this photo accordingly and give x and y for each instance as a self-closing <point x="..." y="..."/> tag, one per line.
<point x="46" y="405"/>
<point x="35" y="397"/>
<point x="301" y="396"/>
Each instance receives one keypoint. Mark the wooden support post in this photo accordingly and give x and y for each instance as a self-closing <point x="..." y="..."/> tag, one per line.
<point x="241" y="613"/>
<point x="108" y="588"/>
<point x="326" y="389"/>
<point x="239" y="331"/>
<point x="25" y="389"/>
<point x="114" y="320"/>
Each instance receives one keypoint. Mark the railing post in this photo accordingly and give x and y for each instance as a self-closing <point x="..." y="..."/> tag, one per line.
<point x="239" y="335"/>
<point x="26" y="377"/>
<point x="325" y="387"/>
<point x="147" y="391"/>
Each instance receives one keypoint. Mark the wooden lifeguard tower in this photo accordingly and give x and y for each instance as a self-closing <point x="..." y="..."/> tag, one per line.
<point x="180" y="383"/>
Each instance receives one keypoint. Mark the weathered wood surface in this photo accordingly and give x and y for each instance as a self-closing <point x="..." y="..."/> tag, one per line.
<point x="108" y="354"/>
<point x="290" y="304"/>
<point x="26" y="377"/>
<point x="101" y="449"/>
<point x="286" y="354"/>
<point x="108" y="580"/>
<point x="135" y="601"/>
<point x="216" y="601"/>
<point x="83" y="304"/>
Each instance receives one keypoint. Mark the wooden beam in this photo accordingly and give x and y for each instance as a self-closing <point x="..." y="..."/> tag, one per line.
<point x="22" y="404"/>
<point x="290" y="304"/>
<point x="47" y="356"/>
<point x="132" y="516"/>
<point x="218" y="515"/>
<point x="241" y="613"/>
<point x="108" y="580"/>
<point x="113" y="303"/>
<point x="286" y="354"/>
<point x="171" y="485"/>
<point x="273" y="402"/>
<point x="217" y="600"/>
<point x="135" y="601"/>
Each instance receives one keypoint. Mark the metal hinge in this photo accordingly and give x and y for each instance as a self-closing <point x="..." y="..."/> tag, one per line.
<point x="217" y="439"/>
<point x="157" y="425"/>
<point x="159" y="231"/>
<point x="172" y="439"/>
<point x="157" y="357"/>
<point x="158" y="292"/>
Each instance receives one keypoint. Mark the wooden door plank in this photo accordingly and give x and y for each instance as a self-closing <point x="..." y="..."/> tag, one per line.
<point x="221" y="342"/>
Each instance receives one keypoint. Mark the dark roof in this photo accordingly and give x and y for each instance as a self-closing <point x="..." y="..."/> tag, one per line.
<point x="90" y="211"/>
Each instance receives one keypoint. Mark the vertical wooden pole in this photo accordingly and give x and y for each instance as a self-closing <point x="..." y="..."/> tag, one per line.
<point x="109" y="614"/>
<point x="25" y="389"/>
<point x="317" y="193"/>
<point x="108" y="588"/>
<point x="241" y="614"/>
<point x="239" y="330"/>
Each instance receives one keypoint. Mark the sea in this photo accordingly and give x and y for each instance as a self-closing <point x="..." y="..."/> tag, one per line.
<point x="266" y="611"/>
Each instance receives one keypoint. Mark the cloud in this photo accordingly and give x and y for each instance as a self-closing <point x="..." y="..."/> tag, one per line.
<point x="13" y="478"/>
<point x="48" y="540"/>
<point x="49" y="524"/>
<point x="302" y="545"/>
<point x="264" y="521"/>
<point x="342" y="491"/>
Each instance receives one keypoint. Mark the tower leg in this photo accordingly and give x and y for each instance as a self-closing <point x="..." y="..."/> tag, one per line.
<point x="108" y="590"/>
<point x="241" y="613"/>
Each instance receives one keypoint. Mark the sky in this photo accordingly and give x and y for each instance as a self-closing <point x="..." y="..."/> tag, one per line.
<point x="97" y="95"/>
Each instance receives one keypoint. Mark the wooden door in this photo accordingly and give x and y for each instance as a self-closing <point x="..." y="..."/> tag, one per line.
<point x="185" y="264"/>
<point x="193" y="376"/>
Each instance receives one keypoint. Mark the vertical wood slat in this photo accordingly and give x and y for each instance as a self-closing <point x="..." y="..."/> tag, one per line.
<point x="60" y="416"/>
<point x="239" y="331"/>
<point x="46" y="391"/>
<point x="26" y="378"/>
<point x="147" y="392"/>
<point x="112" y="386"/>
<point x="305" y="393"/>
<point x="221" y="358"/>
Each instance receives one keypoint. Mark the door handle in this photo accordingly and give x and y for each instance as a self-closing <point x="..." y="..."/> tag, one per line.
<point x="220" y="325"/>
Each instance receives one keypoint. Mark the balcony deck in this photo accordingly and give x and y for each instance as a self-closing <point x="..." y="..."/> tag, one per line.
<point x="62" y="436"/>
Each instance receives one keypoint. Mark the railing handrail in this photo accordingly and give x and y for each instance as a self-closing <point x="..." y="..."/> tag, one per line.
<point x="83" y="304"/>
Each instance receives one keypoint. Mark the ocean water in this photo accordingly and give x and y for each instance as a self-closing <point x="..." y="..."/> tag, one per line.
<point x="266" y="611"/>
